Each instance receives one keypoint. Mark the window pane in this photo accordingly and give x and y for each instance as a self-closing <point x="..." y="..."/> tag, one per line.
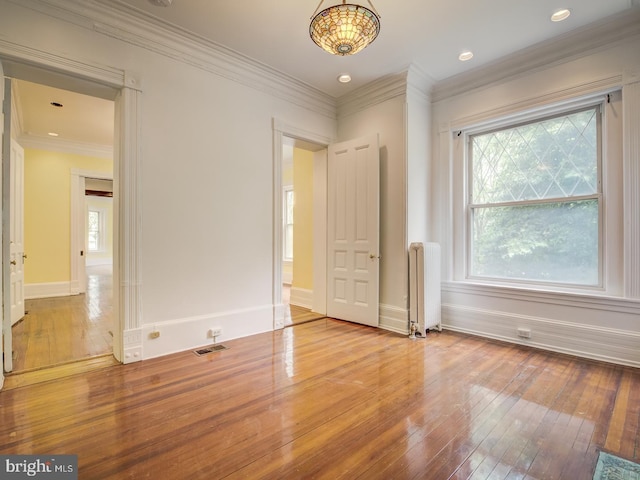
<point x="93" y="241"/>
<point x="288" y="242"/>
<point x="93" y="227"/>
<point x="555" y="242"/>
<point x="553" y="158"/>
<point x="289" y="207"/>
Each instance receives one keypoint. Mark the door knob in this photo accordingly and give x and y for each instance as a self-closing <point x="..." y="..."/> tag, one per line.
<point x="13" y="262"/>
<point x="24" y="255"/>
<point x="372" y="256"/>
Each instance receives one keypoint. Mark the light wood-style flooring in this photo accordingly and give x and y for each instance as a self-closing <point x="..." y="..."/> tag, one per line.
<point x="334" y="400"/>
<point x="60" y="330"/>
<point x="296" y="314"/>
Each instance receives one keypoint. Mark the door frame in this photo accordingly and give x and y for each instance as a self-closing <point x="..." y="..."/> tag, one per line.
<point x="78" y="226"/>
<point x="20" y="61"/>
<point x="281" y="132"/>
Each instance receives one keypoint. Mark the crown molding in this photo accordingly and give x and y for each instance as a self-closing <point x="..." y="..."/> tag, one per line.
<point x="56" y="144"/>
<point x="419" y="82"/>
<point x="373" y="93"/>
<point x="117" y="19"/>
<point x="572" y="45"/>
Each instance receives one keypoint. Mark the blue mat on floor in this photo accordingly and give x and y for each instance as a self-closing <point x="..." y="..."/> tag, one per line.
<point x="610" y="467"/>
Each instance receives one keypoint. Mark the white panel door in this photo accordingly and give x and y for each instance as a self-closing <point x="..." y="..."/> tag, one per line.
<point x="353" y="217"/>
<point x="16" y="231"/>
<point x="5" y="151"/>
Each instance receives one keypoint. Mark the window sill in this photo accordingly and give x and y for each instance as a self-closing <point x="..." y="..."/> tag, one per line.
<point x="539" y="295"/>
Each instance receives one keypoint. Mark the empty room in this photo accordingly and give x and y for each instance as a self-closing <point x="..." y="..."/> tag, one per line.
<point x="299" y="240"/>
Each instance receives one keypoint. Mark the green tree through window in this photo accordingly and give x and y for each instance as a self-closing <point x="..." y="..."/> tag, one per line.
<point x="534" y="200"/>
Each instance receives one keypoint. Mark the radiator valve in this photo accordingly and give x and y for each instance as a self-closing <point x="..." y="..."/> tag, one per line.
<point x="412" y="330"/>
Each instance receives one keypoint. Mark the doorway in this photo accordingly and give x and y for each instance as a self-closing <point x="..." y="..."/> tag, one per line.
<point x="298" y="231"/>
<point x="68" y="315"/>
<point x="346" y="250"/>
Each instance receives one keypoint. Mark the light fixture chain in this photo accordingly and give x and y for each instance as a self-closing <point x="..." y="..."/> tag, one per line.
<point x="317" y="8"/>
<point x="373" y="9"/>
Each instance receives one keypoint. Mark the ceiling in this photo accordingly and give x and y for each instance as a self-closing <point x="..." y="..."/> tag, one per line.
<point x="81" y="118"/>
<point x="428" y="34"/>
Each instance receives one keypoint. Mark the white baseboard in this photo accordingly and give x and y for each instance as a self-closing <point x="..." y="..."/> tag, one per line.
<point x="588" y="341"/>
<point x="301" y="297"/>
<point x="394" y="319"/>
<point x="188" y="333"/>
<point x="46" y="290"/>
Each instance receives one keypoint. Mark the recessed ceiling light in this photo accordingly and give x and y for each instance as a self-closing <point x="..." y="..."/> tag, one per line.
<point x="560" y="15"/>
<point x="53" y="134"/>
<point x="344" y="78"/>
<point x="464" y="56"/>
<point x="56" y="104"/>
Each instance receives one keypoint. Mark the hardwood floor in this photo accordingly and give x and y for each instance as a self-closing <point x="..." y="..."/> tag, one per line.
<point x="330" y="399"/>
<point x="296" y="314"/>
<point x="59" y="330"/>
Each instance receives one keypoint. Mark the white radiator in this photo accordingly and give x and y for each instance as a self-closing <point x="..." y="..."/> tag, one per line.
<point x="424" y="287"/>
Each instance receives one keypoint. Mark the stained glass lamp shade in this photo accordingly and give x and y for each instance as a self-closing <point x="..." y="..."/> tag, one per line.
<point x="344" y="29"/>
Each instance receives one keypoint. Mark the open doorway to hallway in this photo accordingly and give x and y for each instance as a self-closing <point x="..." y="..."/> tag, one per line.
<point x="68" y="227"/>
<point x="298" y="234"/>
<point x="59" y="330"/>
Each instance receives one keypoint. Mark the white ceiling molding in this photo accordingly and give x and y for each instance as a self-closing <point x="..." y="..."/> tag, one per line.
<point x="378" y="91"/>
<point x="575" y="44"/>
<point x="53" y="144"/>
<point x="114" y="19"/>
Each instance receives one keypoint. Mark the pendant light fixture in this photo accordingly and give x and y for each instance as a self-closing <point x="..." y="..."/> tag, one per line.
<point x="344" y="29"/>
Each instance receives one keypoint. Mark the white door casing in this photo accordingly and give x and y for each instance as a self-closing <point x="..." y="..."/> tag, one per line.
<point x="5" y="152"/>
<point x="16" y="231"/>
<point x="353" y="218"/>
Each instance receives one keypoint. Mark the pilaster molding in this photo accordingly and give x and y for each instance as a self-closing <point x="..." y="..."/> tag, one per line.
<point x="118" y="20"/>
<point x="127" y="171"/>
<point x="631" y="186"/>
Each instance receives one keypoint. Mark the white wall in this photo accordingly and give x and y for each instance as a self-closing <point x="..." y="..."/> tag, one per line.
<point x="206" y="169"/>
<point x="602" y="325"/>
<point x="389" y="121"/>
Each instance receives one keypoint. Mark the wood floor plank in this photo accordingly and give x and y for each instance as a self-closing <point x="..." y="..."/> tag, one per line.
<point x="63" y="329"/>
<point x="333" y="400"/>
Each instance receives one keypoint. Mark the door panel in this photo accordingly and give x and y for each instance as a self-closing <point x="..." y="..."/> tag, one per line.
<point x="353" y="211"/>
<point x="16" y="231"/>
<point x="5" y="153"/>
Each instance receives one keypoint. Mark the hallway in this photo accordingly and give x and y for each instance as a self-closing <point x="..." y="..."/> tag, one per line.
<point x="60" y="330"/>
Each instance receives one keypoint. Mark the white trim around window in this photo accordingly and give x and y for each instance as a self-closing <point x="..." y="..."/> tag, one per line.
<point x="610" y="175"/>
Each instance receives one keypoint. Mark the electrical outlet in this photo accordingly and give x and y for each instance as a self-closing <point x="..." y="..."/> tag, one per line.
<point x="215" y="332"/>
<point x="524" y="333"/>
<point x="154" y="334"/>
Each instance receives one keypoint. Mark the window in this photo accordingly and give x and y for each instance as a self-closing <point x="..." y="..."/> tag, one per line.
<point x="535" y="200"/>
<point x="96" y="230"/>
<point x="288" y="203"/>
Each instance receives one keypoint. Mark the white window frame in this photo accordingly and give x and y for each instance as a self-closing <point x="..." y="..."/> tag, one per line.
<point x="285" y="191"/>
<point x="610" y="165"/>
<point x="102" y="238"/>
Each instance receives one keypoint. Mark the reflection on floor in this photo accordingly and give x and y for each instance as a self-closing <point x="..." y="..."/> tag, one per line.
<point x="59" y="330"/>
<point x="295" y="314"/>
